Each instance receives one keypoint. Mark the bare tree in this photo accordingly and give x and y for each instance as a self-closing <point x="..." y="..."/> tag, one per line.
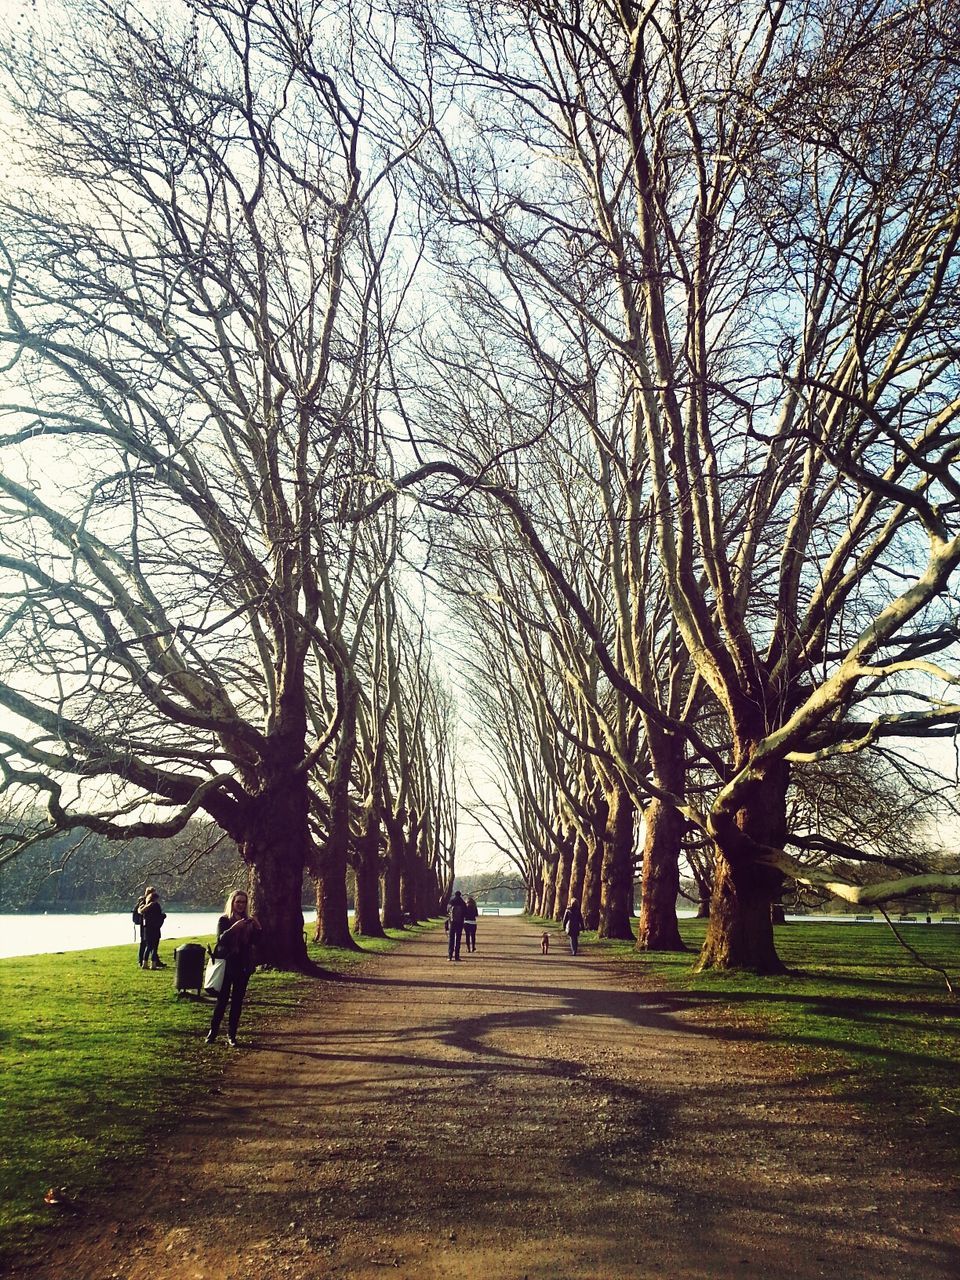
<point x="196" y="310"/>
<point x="757" y="211"/>
<point x="420" y="798"/>
<point x="563" y="738"/>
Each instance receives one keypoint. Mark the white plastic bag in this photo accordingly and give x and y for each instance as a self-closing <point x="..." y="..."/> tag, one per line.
<point x="213" y="975"/>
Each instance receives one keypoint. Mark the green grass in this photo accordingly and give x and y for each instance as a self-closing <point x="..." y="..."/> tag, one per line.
<point x="853" y="996"/>
<point x="99" y="1058"/>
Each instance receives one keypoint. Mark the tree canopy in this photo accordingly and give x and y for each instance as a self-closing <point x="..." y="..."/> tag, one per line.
<point x="630" y="329"/>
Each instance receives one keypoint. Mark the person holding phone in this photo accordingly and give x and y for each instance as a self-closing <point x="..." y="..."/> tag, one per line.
<point x="237" y="933"/>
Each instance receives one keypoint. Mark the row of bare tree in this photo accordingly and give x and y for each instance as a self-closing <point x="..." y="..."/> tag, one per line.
<point x="197" y="317"/>
<point x="631" y="327"/>
<point x="706" y="269"/>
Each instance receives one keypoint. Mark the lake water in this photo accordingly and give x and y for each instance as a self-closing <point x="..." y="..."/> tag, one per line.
<point x="41" y="935"/>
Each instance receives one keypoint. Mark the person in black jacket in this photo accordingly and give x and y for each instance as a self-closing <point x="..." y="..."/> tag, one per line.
<point x="456" y="914"/>
<point x="237" y="934"/>
<point x="153" y="916"/>
<point x="138" y="921"/>
<point x="470" y="913"/>
<point x="573" y="923"/>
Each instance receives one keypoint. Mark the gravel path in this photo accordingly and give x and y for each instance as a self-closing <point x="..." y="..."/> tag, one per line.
<point x="518" y="1115"/>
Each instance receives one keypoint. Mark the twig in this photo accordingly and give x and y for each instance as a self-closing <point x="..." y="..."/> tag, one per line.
<point x="916" y="954"/>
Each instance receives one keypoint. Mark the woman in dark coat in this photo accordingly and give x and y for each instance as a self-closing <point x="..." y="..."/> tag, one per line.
<point x="573" y="923"/>
<point x="152" y="916"/>
<point x="138" y="921"/>
<point x="237" y="933"/>
<point x="471" y="911"/>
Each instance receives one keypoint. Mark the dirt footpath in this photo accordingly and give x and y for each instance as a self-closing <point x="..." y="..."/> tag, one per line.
<point x="518" y="1115"/>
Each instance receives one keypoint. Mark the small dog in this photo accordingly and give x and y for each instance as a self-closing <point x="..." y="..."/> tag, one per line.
<point x="545" y="942"/>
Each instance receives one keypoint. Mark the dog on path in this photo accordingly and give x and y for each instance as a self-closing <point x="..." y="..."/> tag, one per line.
<point x="545" y="942"/>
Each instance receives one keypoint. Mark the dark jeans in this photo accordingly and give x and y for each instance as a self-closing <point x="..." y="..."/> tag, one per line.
<point x="574" y="941"/>
<point x="152" y="946"/>
<point x="144" y="950"/>
<point x="234" y="988"/>
<point x="453" y="940"/>
<point x="470" y="933"/>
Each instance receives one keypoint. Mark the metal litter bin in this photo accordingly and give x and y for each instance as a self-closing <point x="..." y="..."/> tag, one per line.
<point x="188" y="973"/>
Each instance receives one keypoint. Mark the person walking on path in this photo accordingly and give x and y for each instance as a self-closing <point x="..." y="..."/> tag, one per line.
<point x="470" y="913"/>
<point x="237" y="934"/>
<point x="573" y="923"/>
<point x="456" y="914"/>
<point x="153" y="916"/>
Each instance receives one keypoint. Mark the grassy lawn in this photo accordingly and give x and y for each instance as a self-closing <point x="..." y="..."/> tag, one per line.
<point x="98" y="1058"/>
<point x="854" y="995"/>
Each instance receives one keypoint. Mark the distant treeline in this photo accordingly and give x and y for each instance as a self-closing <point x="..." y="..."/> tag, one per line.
<point x="492" y="889"/>
<point x="89" y="873"/>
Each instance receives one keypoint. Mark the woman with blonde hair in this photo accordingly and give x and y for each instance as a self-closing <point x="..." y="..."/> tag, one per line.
<point x="236" y="938"/>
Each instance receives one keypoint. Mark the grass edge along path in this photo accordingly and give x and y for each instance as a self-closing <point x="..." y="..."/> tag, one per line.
<point x="853" y="997"/>
<point x="99" y="1059"/>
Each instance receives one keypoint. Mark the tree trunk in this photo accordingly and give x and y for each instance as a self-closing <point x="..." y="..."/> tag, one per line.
<point x="333" y="926"/>
<point x="545" y="901"/>
<point x="366" y="906"/>
<point x="740" y="932"/>
<point x="392" y="881"/>
<point x="578" y="870"/>
<point x="590" y="892"/>
<point x="561" y="880"/>
<point x="592" y="884"/>
<point x="417" y="881"/>
<point x="426" y="867"/>
<point x="660" y="880"/>
<point x="616" y="872"/>
<point x="275" y="847"/>
<point x="275" y="840"/>
<point x="531" y="898"/>
<point x="537" y="889"/>
<point x="333" y="911"/>
<point x="703" y="879"/>
<point x="412" y="908"/>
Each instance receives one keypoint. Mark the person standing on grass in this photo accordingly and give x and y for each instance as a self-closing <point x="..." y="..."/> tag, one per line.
<point x="153" y="916"/>
<point x="456" y="914"/>
<point x="470" y="913"/>
<point x="237" y="934"/>
<point x="138" y="921"/>
<point x="572" y="924"/>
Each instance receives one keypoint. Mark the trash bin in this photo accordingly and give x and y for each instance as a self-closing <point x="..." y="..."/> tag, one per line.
<point x="188" y="974"/>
